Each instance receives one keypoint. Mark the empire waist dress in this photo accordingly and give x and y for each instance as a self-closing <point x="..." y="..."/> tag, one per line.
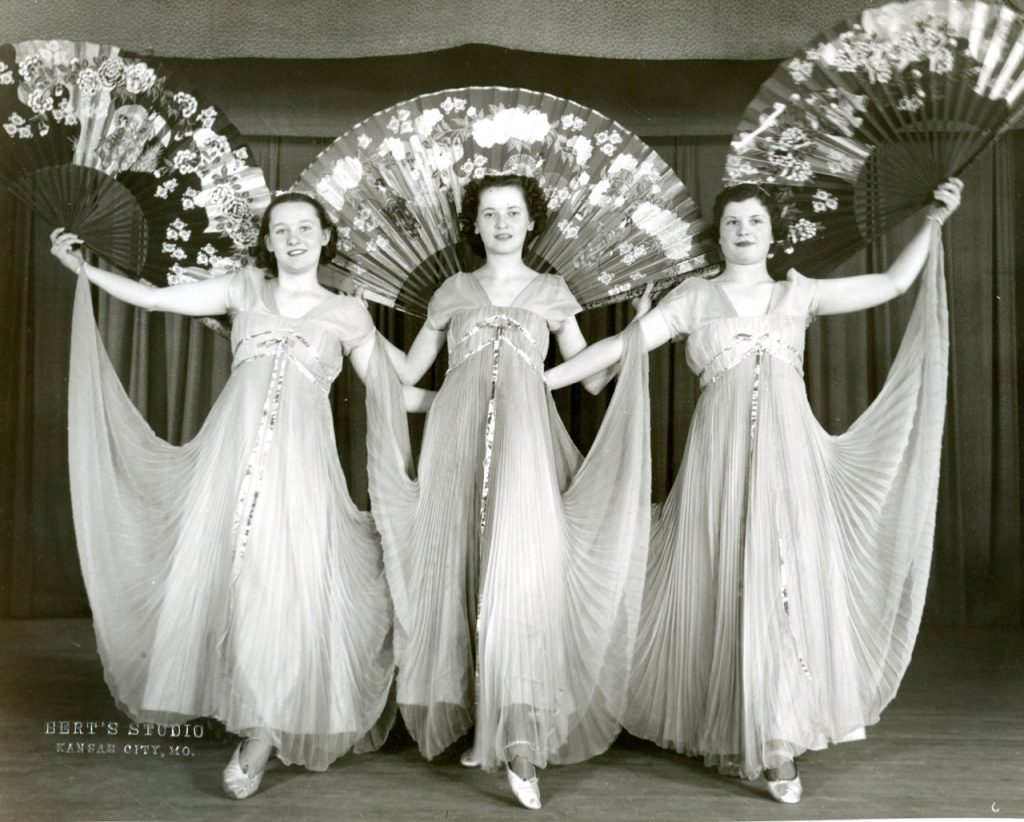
<point x="788" y="567"/>
<point x="515" y="565"/>
<point x="233" y="576"/>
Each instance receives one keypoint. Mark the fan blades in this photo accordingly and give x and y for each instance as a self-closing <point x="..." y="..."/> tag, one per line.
<point x="859" y="127"/>
<point x="153" y="178"/>
<point x="91" y="204"/>
<point x="618" y="216"/>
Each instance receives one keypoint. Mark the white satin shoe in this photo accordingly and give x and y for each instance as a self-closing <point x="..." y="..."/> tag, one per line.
<point x="469" y="759"/>
<point x="238" y="782"/>
<point x="527" y="791"/>
<point x="786" y="791"/>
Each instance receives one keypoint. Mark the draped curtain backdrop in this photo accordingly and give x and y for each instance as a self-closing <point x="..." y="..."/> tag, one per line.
<point x="174" y="367"/>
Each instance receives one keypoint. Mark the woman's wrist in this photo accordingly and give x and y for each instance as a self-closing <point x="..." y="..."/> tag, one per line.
<point x="80" y="268"/>
<point x="935" y="218"/>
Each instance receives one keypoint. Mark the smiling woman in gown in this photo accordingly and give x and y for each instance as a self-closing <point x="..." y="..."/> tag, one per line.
<point x="232" y="576"/>
<point x="516" y="566"/>
<point x="788" y="567"/>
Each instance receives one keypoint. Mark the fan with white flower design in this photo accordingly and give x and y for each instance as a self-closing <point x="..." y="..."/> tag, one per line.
<point x="153" y="179"/>
<point x="618" y="216"/>
<point x="859" y="127"/>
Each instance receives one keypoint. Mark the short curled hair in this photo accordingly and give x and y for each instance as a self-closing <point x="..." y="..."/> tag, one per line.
<point x="536" y="205"/>
<point x="749" y="191"/>
<point x="265" y="257"/>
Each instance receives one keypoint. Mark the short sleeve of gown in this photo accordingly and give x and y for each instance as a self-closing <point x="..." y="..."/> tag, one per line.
<point x="802" y="294"/>
<point x="355" y="326"/>
<point x="244" y="288"/>
<point x="680" y="307"/>
<point x="444" y="302"/>
<point x="559" y="302"/>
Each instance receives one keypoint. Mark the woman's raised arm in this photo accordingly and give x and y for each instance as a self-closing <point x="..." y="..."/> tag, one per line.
<point x="205" y="298"/>
<point x="844" y="294"/>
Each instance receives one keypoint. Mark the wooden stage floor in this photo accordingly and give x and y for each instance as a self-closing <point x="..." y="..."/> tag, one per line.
<point x="950" y="745"/>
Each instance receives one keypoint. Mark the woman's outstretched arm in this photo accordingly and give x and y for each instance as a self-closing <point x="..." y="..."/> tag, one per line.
<point x="417" y="400"/>
<point x="607" y="352"/>
<point x="206" y="298"/>
<point x="424" y="350"/>
<point x="845" y="294"/>
<point x="571" y="343"/>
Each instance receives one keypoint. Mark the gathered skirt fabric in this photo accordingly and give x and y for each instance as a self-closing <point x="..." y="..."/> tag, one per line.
<point x="515" y="565"/>
<point x="788" y="567"/>
<point x="232" y="576"/>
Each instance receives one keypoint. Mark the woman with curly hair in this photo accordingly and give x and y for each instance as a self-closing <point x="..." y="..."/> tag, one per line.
<point x="232" y="576"/>
<point x="787" y="567"/>
<point x="515" y="565"/>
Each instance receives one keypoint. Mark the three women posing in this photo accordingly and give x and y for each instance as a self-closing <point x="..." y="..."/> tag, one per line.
<point x="234" y="578"/>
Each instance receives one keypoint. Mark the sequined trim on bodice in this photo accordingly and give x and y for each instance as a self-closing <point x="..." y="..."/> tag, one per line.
<point x="737" y="339"/>
<point x="497" y="329"/>
<point x="289" y="344"/>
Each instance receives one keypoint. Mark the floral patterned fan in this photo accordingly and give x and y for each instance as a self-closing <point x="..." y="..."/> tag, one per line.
<point x="153" y="179"/>
<point x="618" y="217"/>
<point x="859" y="127"/>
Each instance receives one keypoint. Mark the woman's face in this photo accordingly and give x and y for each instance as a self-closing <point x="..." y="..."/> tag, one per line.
<point x="745" y="232"/>
<point x="503" y="220"/>
<point x="295" y="236"/>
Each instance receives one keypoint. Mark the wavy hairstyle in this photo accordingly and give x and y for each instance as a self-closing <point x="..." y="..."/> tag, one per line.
<point x="265" y="257"/>
<point x="751" y="191"/>
<point x="536" y="205"/>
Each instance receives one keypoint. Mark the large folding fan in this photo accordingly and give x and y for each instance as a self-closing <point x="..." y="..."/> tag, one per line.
<point x="618" y="216"/>
<point x="858" y="128"/>
<point x="152" y="177"/>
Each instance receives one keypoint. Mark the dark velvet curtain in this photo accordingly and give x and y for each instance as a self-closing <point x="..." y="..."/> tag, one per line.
<point x="174" y="368"/>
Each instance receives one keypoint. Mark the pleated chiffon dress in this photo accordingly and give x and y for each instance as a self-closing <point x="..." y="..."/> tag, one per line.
<point x="232" y="576"/>
<point x="515" y="565"/>
<point x="788" y="567"/>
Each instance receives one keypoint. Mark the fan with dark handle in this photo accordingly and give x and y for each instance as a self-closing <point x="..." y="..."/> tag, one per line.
<point x="855" y="130"/>
<point x="153" y="178"/>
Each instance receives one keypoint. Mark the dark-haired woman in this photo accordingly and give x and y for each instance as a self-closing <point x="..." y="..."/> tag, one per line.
<point x="788" y="567"/>
<point x="515" y="565"/>
<point x="232" y="576"/>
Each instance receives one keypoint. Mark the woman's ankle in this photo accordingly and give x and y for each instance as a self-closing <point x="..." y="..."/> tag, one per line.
<point x="254" y="753"/>
<point x="786" y="771"/>
<point x="522" y="767"/>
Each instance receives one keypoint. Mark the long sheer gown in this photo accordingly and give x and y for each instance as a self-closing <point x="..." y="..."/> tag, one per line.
<point x="516" y="566"/>
<point x="232" y="576"/>
<point x="788" y="567"/>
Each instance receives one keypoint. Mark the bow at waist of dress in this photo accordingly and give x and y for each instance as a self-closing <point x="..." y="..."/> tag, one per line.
<point x="744" y="344"/>
<point x="285" y="343"/>
<point x="497" y="332"/>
